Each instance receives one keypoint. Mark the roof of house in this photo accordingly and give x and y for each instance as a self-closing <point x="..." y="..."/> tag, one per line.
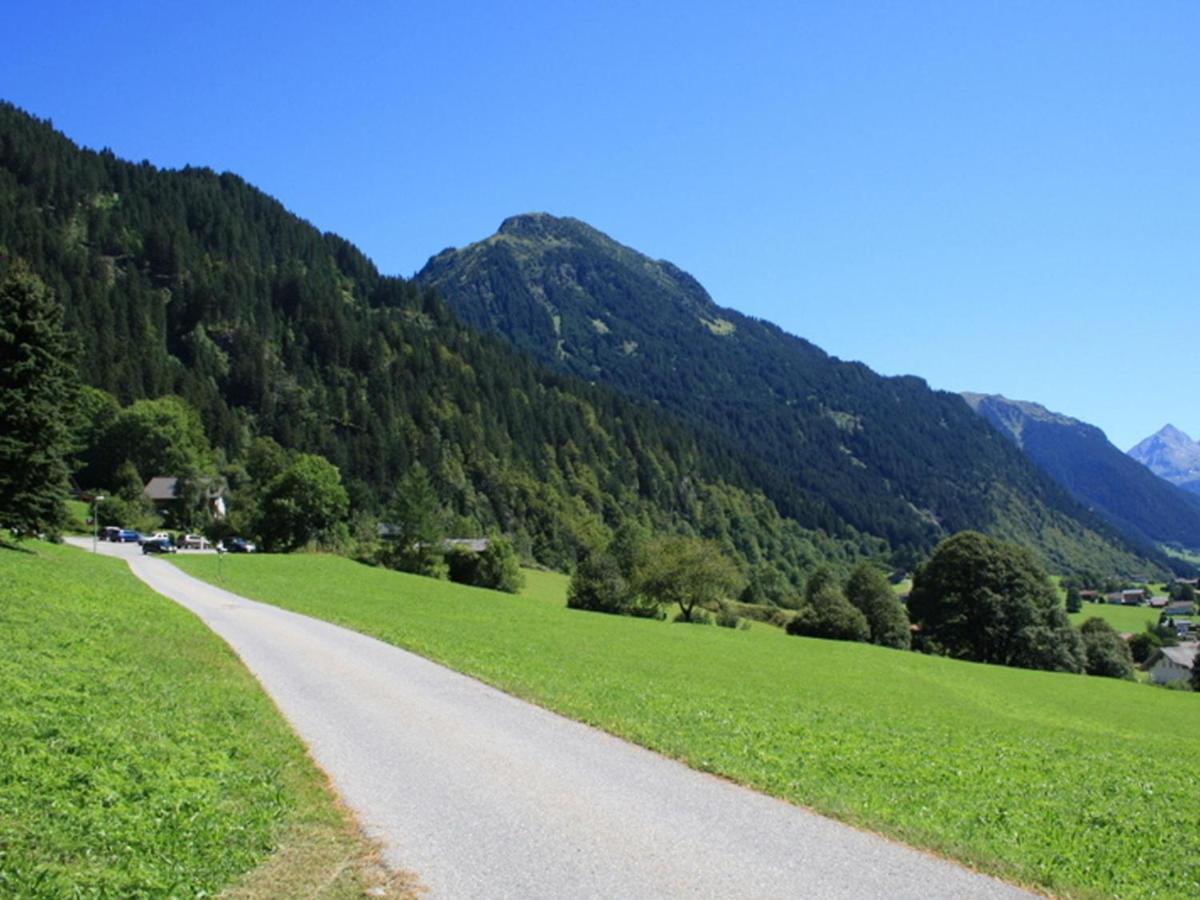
<point x="476" y="545"/>
<point x="1181" y="656"/>
<point x="160" y="488"/>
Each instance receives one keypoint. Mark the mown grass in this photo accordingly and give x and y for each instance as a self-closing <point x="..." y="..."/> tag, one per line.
<point x="547" y="587"/>
<point x="1082" y="786"/>
<point x="1122" y="618"/>
<point x="139" y="758"/>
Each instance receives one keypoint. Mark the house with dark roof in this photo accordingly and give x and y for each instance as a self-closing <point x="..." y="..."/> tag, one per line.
<point x="163" y="491"/>
<point x="1179" y="608"/>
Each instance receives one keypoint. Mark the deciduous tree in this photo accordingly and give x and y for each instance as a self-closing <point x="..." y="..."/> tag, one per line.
<point x="1107" y="654"/>
<point x="868" y="590"/>
<point x="990" y="601"/>
<point x="687" y="572"/>
<point x="305" y="503"/>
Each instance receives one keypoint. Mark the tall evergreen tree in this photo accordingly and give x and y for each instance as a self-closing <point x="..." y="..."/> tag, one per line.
<point x="37" y="396"/>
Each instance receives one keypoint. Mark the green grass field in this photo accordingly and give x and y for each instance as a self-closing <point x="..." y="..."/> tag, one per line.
<point x="1081" y="786"/>
<point x="1122" y="618"/>
<point x="139" y="758"/>
<point x="547" y="587"/>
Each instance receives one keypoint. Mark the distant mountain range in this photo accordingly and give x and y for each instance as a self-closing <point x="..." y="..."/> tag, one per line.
<point x="833" y="444"/>
<point x="1079" y="457"/>
<point x="1171" y="454"/>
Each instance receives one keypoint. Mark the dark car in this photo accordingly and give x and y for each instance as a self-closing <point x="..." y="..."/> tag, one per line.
<point x="239" y="545"/>
<point x="158" y="545"/>
<point x="128" y="536"/>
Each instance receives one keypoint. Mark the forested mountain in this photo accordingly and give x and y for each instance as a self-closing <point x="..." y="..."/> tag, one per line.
<point x="1171" y="454"/>
<point x="196" y="284"/>
<point x="832" y="443"/>
<point x="1080" y="458"/>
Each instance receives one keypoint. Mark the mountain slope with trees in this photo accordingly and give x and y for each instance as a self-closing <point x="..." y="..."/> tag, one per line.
<point x="195" y="285"/>
<point x="1079" y="457"/>
<point x="833" y="444"/>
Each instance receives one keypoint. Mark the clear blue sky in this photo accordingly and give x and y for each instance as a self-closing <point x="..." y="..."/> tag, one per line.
<point x="997" y="196"/>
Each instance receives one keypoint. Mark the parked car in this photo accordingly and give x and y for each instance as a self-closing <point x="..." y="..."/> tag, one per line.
<point x="128" y="536"/>
<point x="239" y="545"/>
<point x="158" y="545"/>
<point x="111" y="533"/>
<point x="194" y="542"/>
<point x="157" y="536"/>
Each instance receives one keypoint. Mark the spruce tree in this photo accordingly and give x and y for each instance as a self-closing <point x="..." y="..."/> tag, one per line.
<point x="37" y="395"/>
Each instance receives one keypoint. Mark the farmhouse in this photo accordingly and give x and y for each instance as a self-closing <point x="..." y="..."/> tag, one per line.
<point x="1179" y="608"/>
<point x="163" y="492"/>
<point x="1171" y="664"/>
<point x="1133" y="597"/>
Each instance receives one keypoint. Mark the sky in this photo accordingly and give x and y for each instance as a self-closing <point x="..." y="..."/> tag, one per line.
<point x="1000" y="197"/>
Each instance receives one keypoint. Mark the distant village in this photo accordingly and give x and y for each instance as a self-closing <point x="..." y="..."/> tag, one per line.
<point x="1177" y="629"/>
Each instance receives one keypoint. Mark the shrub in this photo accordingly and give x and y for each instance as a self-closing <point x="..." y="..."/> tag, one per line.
<point x="495" y="567"/>
<point x="727" y="618"/>
<point x="1107" y="654"/>
<point x="828" y="614"/>
<point x="598" y="585"/>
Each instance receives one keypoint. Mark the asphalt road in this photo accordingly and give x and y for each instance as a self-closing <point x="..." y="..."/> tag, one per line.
<point x="483" y="795"/>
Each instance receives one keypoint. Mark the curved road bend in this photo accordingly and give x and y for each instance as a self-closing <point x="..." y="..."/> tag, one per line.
<point x="483" y="795"/>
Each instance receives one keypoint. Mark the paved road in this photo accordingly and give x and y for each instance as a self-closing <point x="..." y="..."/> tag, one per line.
<point x="482" y="795"/>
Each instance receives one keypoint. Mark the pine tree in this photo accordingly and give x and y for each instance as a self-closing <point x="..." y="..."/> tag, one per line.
<point x="37" y="395"/>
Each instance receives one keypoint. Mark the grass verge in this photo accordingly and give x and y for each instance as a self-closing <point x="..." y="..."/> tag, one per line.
<point x="1084" y="786"/>
<point x="139" y="758"/>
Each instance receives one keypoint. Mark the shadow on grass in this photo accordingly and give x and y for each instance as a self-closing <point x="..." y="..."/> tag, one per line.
<point x="7" y="543"/>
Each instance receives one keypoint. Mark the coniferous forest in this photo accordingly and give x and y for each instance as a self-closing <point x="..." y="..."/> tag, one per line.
<point x="196" y="285"/>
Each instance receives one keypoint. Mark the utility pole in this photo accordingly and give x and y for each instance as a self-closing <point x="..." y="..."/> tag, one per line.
<point x="95" y="520"/>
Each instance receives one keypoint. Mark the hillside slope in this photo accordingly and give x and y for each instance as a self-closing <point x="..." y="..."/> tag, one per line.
<point x="1171" y="454"/>
<point x="1079" y="457"/>
<point x="197" y="284"/>
<point x="834" y="442"/>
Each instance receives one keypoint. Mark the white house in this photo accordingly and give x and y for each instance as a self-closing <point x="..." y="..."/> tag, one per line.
<point x="1171" y="664"/>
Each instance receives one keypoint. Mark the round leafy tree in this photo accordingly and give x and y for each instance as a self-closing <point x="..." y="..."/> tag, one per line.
<point x="869" y="591"/>
<point x="990" y="601"/>
<point x="1107" y="654"/>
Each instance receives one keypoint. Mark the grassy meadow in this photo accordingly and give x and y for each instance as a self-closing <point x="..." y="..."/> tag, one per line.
<point x="1122" y="618"/>
<point x="138" y="757"/>
<point x="1082" y="786"/>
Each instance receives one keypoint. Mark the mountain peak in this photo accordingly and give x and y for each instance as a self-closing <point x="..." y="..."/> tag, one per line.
<point x="1172" y="435"/>
<point x="1172" y="455"/>
<point x="539" y="225"/>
